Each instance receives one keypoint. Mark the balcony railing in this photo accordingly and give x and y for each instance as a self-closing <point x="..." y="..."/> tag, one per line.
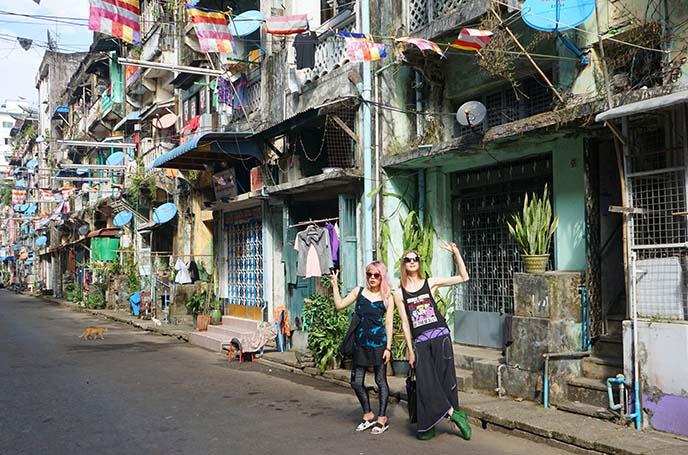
<point x="424" y="12"/>
<point x="330" y="53"/>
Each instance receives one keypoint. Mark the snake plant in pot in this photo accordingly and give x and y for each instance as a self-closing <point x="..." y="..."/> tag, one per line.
<point x="533" y="229"/>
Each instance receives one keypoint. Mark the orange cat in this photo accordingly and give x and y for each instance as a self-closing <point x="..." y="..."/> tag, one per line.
<point x="94" y="332"/>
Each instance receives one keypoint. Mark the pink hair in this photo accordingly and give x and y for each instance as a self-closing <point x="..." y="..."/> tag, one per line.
<point x="385" y="288"/>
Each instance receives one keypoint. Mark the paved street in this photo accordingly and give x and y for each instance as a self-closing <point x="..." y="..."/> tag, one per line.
<point x="140" y="393"/>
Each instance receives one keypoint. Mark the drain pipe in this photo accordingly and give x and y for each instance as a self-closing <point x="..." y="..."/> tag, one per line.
<point x="621" y="380"/>
<point x="378" y="143"/>
<point x="553" y="356"/>
<point x="366" y="141"/>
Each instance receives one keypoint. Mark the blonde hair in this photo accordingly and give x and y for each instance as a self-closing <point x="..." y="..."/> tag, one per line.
<point x="404" y="275"/>
<point x="385" y="287"/>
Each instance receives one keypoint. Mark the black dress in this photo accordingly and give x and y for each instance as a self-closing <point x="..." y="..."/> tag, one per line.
<point x="371" y="337"/>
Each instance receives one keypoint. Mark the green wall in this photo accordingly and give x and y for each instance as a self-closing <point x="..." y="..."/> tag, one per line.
<point x="569" y="204"/>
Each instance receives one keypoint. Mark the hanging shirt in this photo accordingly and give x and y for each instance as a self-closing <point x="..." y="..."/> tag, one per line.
<point x="305" y="50"/>
<point x="314" y="253"/>
<point x="182" y="276"/>
<point x="334" y="241"/>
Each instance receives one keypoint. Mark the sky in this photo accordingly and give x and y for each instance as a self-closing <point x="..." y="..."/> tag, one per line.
<point x="18" y="67"/>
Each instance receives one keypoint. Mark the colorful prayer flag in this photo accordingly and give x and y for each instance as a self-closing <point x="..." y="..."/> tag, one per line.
<point x="212" y="30"/>
<point x="286" y="25"/>
<point x="422" y="44"/>
<point x="18" y="196"/>
<point x="118" y="18"/>
<point x="471" y="39"/>
<point x="360" y="48"/>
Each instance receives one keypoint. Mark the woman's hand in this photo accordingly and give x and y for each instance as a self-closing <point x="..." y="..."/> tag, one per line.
<point x="451" y="247"/>
<point x="387" y="356"/>
<point x="411" y="355"/>
<point x="334" y="279"/>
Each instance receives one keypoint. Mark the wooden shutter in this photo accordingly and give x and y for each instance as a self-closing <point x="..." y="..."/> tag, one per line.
<point x="348" y="242"/>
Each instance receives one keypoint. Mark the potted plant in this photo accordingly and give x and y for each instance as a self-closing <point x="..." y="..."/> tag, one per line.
<point x="400" y="363"/>
<point x="196" y="306"/>
<point x="215" y="312"/>
<point x="533" y="229"/>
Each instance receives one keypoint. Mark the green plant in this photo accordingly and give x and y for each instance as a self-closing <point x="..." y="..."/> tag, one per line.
<point x="196" y="303"/>
<point x="326" y="328"/>
<point x="94" y="298"/>
<point x="534" y="227"/>
<point x="73" y="293"/>
<point x="215" y="304"/>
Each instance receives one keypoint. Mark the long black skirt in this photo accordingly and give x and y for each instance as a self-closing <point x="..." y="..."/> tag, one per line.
<point x="435" y="381"/>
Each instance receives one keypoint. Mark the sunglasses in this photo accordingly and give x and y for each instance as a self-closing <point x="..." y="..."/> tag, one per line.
<point x="408" y="259"/>
<point x="373" y="275"/>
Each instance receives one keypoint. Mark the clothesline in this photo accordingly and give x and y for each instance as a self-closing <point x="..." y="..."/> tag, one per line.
<point x="305" y="223"/>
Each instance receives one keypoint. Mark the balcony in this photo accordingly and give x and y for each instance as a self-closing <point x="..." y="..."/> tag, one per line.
<point x="431" y="18"/>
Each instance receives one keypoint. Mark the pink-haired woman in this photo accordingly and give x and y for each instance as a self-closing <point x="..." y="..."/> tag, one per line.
<point x="375" y="307"/>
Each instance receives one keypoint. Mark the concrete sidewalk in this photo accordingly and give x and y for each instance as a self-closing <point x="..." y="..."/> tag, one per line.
<point x="573" y="432"/>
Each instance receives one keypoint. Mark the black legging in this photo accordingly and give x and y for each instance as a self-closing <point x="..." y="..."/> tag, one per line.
<point x="357" y="379"/>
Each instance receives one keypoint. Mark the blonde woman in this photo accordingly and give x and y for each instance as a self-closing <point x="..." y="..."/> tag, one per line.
<point x="437" y="394"/>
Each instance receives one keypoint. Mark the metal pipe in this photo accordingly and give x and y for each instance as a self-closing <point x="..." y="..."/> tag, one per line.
<point x="500" y="390"/>
<point x="169" y="67"/>
<point x="120" y="145"/>
<point x="636" y="366"/>
<point x="556" y="355"/>
<point x="366" y="141"/>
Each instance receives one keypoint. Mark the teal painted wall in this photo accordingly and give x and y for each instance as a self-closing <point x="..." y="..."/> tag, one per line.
<point x="569" y="204"/>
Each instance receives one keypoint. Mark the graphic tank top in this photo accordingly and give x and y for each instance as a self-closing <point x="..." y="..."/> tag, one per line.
<point x="422" y="310"/>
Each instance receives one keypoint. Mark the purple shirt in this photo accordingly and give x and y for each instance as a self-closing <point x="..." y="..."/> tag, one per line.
<point x="334" y="241"/>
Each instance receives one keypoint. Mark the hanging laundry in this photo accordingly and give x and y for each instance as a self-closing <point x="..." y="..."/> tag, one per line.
<point x="305" y="50"/>
<point x="471" y="39"/>
<point x="314" y="253"/>
<point x="240" y="93"/>
<point x="422" y="44"/>
<point x="182" y="276"/>
<point x="286" y="25"/>
<point x="334" y="242"/>
<point x="193" y="271"/>
<point x="360" y="48"/>
<point x="224" y="91"/>
<point x="118" y="18"/>
<point x="212" y="30"/>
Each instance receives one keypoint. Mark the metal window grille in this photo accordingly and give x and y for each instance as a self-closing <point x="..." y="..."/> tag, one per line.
<point x="656" y="183"/>
<point x="487" y="199"/>
<point x="245" y="263"/>
<point x="340" y="146"/>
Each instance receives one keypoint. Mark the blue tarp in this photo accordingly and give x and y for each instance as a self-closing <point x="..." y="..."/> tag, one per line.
<point x="221" y="143"/>
<point x="130" y="117"/>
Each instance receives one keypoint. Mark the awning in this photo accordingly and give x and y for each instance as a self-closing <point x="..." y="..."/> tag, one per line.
<point x="131" y="117"/>
<point x="209" y="148"/>
<point x="306" y="116"/>
<point x="319" y="186"/>
<point x="105" y="232"/>
<point x="652" y="104"/>
<point x="60" y="110"/>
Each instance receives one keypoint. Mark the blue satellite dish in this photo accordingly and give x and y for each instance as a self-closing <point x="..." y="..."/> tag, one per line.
<point x="21" y="207"/>
<point x="164" y="213"/>
<point x="556" y="15"/>
<point x="246" y="23"/>
<point x="81" y="171"/>
<point x="41" y="241"/>
<point x="31" y="209"/>
<point x="123" y="218"/>
<point x="16" y="207"/>
<point x="31" y="164"/>
<point x="115" y="159"/>
<point x="21" y="183"/>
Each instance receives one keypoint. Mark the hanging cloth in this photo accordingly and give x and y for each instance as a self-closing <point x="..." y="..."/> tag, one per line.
<point x="314" y="253"/>
<point x="182" y="276"/>
<point x="334" y="242"/>
<point x="305" y="50"/>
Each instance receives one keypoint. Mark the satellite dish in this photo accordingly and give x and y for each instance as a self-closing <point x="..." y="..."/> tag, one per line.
<point x="246" y="23"/>
<point x="31" y="164"/>
<point x="164" y="213"/>
<point x="471" y="113"/>
<point x="42" y="240"/>
<point x="115" y="159"/>
<point x="40" y="139"/>
<point x="122" y="218"/>
<point x="83" y="229"/>
<point x="81" y="171"/>
<point x="166" y="121"/>
<point x="557" y="15"/>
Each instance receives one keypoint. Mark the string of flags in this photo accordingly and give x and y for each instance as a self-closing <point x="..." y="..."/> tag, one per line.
<point x="212" y="30"/>
<point x="118" y="18"/>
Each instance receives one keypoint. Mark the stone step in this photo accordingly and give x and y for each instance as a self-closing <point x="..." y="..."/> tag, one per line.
<point x="208" y="341"/>
<point x="465" y="355"/>
<point x="615" y="324"/>
<point x="218" y="335"/>
<point x="601" y="367"/>
<point x="586" y="410"/>
<point x="590" y="391"/>
<point x="610" y="346"/>
<point x="464" y="379"/>
<point x="224" y="331"/>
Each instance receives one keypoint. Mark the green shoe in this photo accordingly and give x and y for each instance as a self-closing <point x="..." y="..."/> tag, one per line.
<point x="425" y="435"/>
<point x="460" y="420"/>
